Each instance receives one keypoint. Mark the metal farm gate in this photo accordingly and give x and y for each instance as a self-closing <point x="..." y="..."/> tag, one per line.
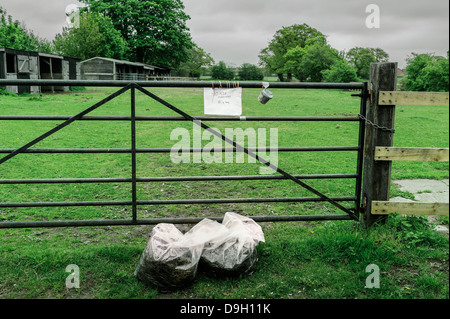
<point x="348" y="213"/>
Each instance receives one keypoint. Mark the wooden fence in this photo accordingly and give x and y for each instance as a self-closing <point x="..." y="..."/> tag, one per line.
<point x="379" y="150"/>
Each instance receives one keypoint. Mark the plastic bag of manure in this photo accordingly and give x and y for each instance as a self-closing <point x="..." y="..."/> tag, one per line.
<point x="170" y="260"/>
<point x="234" y="252"/>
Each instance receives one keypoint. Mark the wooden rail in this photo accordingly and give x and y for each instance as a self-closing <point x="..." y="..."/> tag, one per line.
<point x="411" y="154"/>
<point x="386" y="208"/>
<point x="413" y="98"/>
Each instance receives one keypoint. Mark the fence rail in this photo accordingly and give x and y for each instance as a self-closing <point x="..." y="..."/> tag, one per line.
<point x="386" y="208"/>
<point x="411" y="154"/>
<point x="413" y="98"/>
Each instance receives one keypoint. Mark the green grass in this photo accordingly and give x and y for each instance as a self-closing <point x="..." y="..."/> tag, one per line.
<point x="317" y="260"/>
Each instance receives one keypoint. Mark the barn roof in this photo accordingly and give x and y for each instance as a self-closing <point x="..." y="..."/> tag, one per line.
<point x="35" y="53"/>
<point x="123" y="62"/>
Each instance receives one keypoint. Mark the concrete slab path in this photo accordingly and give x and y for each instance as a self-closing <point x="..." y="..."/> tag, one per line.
<point x="425" y="191"/>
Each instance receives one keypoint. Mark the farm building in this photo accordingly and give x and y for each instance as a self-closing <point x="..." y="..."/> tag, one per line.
<point x="99" y="68"/>
<point x="19" y="64"/>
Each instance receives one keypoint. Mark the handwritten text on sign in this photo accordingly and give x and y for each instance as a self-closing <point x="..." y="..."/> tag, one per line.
<point x="223" y="101"/>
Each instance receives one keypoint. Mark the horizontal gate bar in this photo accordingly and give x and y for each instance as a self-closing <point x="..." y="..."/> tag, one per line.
<point x="182" y="84"/>
<point x="171" y="179"/>
<point x="155" y="221"/>
<point x="169" y="150"/>
<point x="176" y="202"/>
<point x="179" y="118"/>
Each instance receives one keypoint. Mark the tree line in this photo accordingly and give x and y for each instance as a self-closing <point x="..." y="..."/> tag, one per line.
<point x="155" y="32"/>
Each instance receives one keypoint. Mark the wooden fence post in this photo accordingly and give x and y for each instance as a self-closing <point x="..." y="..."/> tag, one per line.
<point x="377" y="175"/>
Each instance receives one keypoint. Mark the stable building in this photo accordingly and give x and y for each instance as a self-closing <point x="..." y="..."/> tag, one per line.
<point x="100" y="68"/>
<point x="30" y="65"/>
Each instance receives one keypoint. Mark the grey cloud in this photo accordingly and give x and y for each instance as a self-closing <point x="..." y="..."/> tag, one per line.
<point x="236" y="30"/>
<point x="406" y="26"/>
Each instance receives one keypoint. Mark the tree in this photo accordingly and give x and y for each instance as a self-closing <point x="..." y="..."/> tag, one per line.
<point x="199" y="61"/>
<point x="427" y="72"/>
<point x="155" y="31"/>
<point x="361" y="58"/>
<point x="14" y="35"/>
<point x="250" y="72"/>
<point x="95" y="36"/>
<point x="308" y="63"/>
<point x="380" y="55"/>
<point x="40" y="44"/>
<point x="340" y="72"/>
<point x="273" y="57"/>
<point x="222" y="72"/>
<point x="115" y="45"/>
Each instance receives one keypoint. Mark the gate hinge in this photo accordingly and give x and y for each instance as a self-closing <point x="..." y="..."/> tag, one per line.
<point x="364" y="206"/>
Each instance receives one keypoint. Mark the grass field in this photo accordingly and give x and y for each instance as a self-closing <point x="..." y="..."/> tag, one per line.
<point x="299" y="260"/>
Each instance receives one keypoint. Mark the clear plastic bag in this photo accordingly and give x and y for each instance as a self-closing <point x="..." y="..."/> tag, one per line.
<point x="161" y="260"/>
<point x="170" y="259"/>
<point x="234" y="253"/>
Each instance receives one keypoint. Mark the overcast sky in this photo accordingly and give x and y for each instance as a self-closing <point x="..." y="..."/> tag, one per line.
<point x="235" y="31"/>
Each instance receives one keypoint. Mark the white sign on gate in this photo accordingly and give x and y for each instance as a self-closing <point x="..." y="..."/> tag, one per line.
<point x="223" y="101"/>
